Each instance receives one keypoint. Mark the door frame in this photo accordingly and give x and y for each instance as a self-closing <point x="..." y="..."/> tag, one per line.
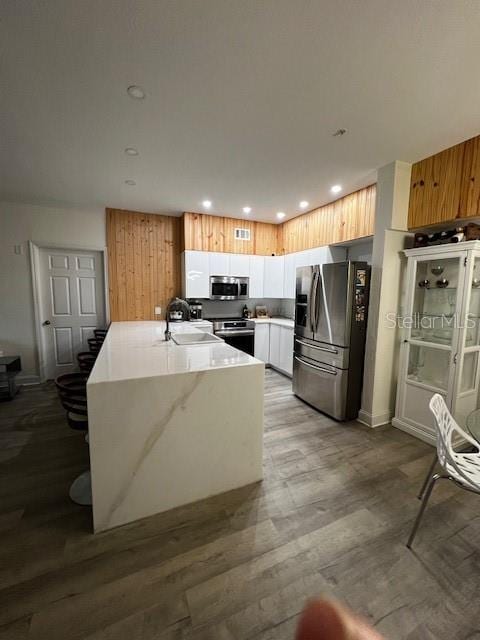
<point x="34" y="251"/>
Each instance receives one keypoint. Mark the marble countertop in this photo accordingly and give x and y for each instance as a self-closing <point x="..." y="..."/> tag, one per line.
<point x="135" y="350"/>
<point x="284" y="322"/>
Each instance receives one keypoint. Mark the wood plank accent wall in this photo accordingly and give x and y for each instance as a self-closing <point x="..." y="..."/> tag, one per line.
<point x="143" y="262"/>
<point x="204" y="232"/>
<point x="345" y="219"/>
<point x="446" y="186"/>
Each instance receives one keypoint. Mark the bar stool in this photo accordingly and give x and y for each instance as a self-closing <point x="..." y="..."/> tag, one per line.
<point x="86" y="360"/>
<point x="100" y="333"/>
<point x="95" y="344"/>
<point x="72" y="391"/>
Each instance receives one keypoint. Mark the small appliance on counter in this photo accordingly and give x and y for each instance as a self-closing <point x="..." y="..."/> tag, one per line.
<point x="178" y="310"/>
<point x="195" y="309"/>
<point x="261" y="311"/>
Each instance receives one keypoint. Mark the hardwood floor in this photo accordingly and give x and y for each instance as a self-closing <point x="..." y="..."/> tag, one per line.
<point x="331" y="516"/>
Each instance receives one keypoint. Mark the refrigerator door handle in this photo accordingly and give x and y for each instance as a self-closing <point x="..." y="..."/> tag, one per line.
<point x="314" y="346"/>
<point x="313" y="366"/>
<point x="310" y="297"/>
<point x="313" y="302"/>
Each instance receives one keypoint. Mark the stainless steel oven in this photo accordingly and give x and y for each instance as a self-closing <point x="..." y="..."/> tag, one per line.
<point x="228" y="288"/>
<point x="237" y="332"/>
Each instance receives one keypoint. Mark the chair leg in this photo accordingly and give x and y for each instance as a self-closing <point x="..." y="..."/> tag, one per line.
<point x="425" y="499"/>
<point x="431" y="469"/>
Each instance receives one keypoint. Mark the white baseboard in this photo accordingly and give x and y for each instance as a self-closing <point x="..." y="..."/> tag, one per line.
<point x="372" y="421"/>
<point x="414" y="431"/>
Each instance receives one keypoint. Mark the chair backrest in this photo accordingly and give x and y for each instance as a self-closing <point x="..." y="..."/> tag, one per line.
<point x="72" y="391"/>
<point x="446" y="429"/>
<point x="95" y="344"/>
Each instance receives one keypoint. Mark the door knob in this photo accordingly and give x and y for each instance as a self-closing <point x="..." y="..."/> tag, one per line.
<point x="46" y="323"/>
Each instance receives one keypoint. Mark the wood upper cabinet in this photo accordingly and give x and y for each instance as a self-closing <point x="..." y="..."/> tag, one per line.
<point x="470" y="192"/>
<point x="446" y="186"/>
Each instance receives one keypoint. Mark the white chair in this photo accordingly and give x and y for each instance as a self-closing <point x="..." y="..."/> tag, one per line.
<point x="461" y="468"/>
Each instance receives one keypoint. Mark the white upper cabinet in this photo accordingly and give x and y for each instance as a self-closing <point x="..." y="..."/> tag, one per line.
<point x="195" y="274"/>
<point x="256" y="272"/>
<point x="273" y="277"/>
<point x="239" y="265"/>
<point x="270" y="276"/>
<point x="219" y="263"/>
<point x="289" y="275"/>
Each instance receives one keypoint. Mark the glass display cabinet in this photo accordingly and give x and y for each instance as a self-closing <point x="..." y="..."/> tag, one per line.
<point x="440" y="332"/>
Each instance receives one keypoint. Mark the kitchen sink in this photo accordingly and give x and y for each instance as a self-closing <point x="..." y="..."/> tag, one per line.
<point x="194" y="338"/>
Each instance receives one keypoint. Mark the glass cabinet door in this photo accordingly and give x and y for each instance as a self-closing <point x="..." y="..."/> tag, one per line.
<point x="466" y="402"/>
<point x="434" y="321"/>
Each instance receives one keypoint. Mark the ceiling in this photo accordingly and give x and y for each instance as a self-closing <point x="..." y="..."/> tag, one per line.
<point x="242" y="98"/>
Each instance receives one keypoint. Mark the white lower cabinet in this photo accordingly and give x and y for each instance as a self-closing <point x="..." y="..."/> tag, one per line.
<point x="286" y="350"/>
<point x="262" y="342"/>
<point x="281" y="348"/>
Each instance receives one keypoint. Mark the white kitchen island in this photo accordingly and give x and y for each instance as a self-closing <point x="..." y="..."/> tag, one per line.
<point x="169" y="424"/>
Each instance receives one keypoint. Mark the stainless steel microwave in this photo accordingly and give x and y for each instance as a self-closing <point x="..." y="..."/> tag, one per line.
<point x="228" y="288"/>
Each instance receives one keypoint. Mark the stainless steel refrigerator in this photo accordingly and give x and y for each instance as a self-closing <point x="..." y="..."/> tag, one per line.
<point x="330" y="328"/>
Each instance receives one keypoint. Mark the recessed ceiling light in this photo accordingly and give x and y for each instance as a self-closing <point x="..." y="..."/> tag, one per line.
<point x="136" y="92"/>
<point x="303" y="204"/>
<point x="207" y="204"/>
<point x="280" y="215"/>
<point x="131" y="183"/>
<point x="247" y="210"/>
<point x="336" y="188"/>
<point x="131" y="151"/>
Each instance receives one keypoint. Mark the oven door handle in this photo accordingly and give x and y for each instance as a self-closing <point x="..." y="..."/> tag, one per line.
<point x="235" y="332"/>
<point x="312" y="366"/>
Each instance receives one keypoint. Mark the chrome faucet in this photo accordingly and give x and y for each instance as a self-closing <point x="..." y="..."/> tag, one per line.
<point x="179" y="303"/>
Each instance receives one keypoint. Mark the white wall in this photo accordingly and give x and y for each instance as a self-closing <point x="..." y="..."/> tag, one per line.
<point x="381" y="349"/>
<point x="361" y="251"/>
<point x="45" y="226"/>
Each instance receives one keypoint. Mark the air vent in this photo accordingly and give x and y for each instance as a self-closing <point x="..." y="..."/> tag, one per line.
<point x="242" y="234"/>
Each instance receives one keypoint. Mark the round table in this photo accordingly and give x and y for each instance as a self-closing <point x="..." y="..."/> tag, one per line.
<point x="473" y="424"/>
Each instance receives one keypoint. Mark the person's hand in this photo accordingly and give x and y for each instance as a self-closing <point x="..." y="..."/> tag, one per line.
<point x="329" y="620"/>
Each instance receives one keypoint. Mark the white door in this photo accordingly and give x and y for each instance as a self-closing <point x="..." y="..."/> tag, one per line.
<point x="72" y="305"/>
